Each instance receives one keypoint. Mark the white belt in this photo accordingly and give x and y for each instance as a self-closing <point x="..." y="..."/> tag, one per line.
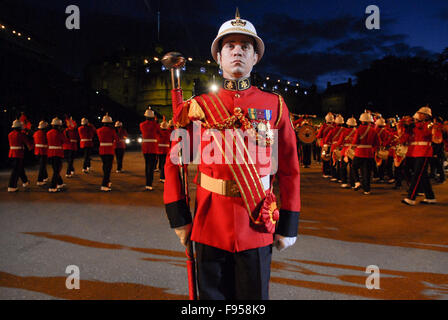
<point x="73" y="140"/>
<point x="347" y="145"/>
<point x="41" y="146"/>
<point x="149" y="140"/>
<point x="326" y="145"/>
<point x="420" y="143"/>
<point x="106" y="144"/>
<point x="54" y="147"/>
<point x="86" y="140"/>
<point x="364" y="146"/>
<point x="164" y="145"/>
<point x="220" y="186"/>
<point x="16" y="148"/>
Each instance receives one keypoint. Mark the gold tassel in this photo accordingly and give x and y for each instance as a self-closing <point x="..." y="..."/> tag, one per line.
<point x="195" y="112"/>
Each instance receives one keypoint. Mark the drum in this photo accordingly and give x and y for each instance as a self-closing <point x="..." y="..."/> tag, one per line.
<point x="306" y="134"/>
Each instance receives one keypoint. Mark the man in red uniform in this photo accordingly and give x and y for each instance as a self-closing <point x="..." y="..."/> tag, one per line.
<point x="418" y="155"/>
<point x="70" y="145"/>
<point x="41" y="151"/>
<point x="163" y="145"/>
<point x="17" y="143"/>
<point x="120" y="145"/>
<point x="366" y="141"/>
<point x="344" y="142"/>
<point x="331" y="139"/>
<point x="107" y="137"/>
<point x="86" y="134"/>
<point x="150" y="132"/>
<point x="321" y="134"/>
<point x="56" y="140"/>
<point x="384" y="139"/>
<point x="233" y="228"/>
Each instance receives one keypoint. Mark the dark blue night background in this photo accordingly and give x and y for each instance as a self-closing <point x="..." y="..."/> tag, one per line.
<point x="306" y="41"/>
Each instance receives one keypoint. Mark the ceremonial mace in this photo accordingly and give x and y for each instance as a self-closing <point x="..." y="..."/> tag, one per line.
<point x="175" y="61"/>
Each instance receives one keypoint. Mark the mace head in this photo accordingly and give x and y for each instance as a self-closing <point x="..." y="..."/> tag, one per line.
<point x="173" y="60"/>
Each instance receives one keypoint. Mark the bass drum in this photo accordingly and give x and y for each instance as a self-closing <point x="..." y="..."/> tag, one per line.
<point x="306" y="134"/>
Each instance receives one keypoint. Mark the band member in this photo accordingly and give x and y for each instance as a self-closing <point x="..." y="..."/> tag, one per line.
<point x="326" y="155"/>
<point x="70" y="145"/>
<point x="17" y="143"/>
<point x="107" y="137"/>
<point x="233" y="236"/>
<point x="41" y="152"/>
<point x="56" y="140"/>
<point x="164" y="145"/>
<point x="344" y="142"/>
<point x="120" y="145"/>
<point x="86" y="134"/>
<point x="150" y="132"/>
<point x="384" y="138"/>
<point x="366" y="141"/>
<point x="419" y="153"/>
<point x="331" y="139"/>
<point x="438" y="157"/>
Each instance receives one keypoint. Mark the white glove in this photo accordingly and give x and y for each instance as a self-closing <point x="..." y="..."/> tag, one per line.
<point x="184" y="233"/>
<point x="281" y="242"/>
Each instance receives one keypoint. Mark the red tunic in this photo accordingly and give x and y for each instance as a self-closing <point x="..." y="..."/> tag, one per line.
<point x="121" y="142"/>
<point x="71" y="139"/>
<point x="55" y="140"/>
<point x="345" y="140"/>
<point x="150" y="133"/>
<point x="223" y="221"/>
<point x="420" y="141"/>
<point x="365" y="143"/>
<point x="323" y="131"/>
<point x="17" y="143"/>
<point x="163" y="146"/>
<point x="40" y="143"/>
<point x="332" y="136"/>
<point x="86" y="135"/>
<point x="107" y="136"/>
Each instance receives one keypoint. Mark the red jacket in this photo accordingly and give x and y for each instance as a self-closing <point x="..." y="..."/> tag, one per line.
<point x="366" y="144"/>
<point x="40" y="143"/>
<point x="86" y="135"/>
<point x="150" y="130"/>
<point x="55" y="140"/>
<point x="122" y="135"/>
<point x="107" y="137"/>
<point x="345" y="140"/>
<point x="384" y="135"/>
<point x="333" y="135"/>
<point x="323" y="131"/>
<point x="420" y="141"/>
<point x="17" y="143"/>
<point x="223" y="221"/>
<point x="71" y="139"/>
<point x="163" y="146"/>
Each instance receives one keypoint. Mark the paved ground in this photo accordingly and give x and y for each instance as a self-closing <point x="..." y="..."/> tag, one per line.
<point x="124" y="248"/>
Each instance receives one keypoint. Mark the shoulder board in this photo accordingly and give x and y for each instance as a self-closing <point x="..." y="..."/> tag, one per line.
<point x="267" y="90"/>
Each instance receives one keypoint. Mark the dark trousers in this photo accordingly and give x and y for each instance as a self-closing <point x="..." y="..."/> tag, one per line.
<point x="364" y="165"/>
<point x="336" y="170"/>
<point x="326" y="167"/>
<point x="119" y="153"/>
<point x="56" y="164"/>
<point x="108" y="160"/>
<point x="437" y="160"/>
<point x="87" y="152"/>
<point x="382" y="169"/>
<point x="18" y="171"/>
<point x="162" y="159"/>
<point x="69" y="155"/>
<point x="150" y="165"/>
<point x="420" y="178"/>
<point x="347" y="174"/>
<point x="389" y="166"/>
<point x="43" y="174"/>
<point x="316" y="152"/>
<point x="306" y="154"/>
<point x="224" y="275"/>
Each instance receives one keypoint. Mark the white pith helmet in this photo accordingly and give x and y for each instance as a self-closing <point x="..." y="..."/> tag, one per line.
<point x="380" y="122"/>
<point x="351" y="122"/>
<point x="42" y="125"/>
<point x="56" y="122"/>
<point x="329" y="117"/>
<point x="238" y="26"/>
<point x="118" y="124"/>
<point x="366" y="117"/>
<point x="84" y="121"/>
<point x="339" y="119"/>
<point x="107" y="119"/>
<point x="16" y="124"/>
<point x="164" y="125"/>
<point x="425" y="110"/>
<point x="149" y="113"/>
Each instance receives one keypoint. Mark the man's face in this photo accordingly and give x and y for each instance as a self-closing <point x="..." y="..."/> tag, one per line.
<point x="237" y="56"/>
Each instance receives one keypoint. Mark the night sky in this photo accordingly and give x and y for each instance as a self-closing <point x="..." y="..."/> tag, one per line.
<point x="306" y="41"/>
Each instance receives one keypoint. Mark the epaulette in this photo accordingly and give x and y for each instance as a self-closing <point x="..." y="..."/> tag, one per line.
<point x="280" y="100"/>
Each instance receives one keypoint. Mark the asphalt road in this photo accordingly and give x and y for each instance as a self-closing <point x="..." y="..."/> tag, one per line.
<point x="124" y="249"/>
